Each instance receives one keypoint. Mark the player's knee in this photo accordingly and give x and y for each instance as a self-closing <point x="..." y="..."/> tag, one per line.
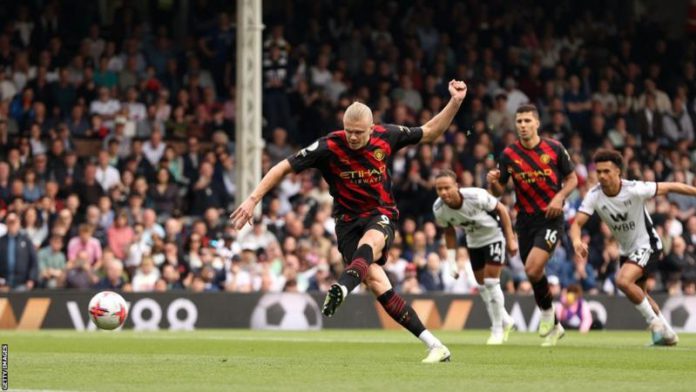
<point x="370" y="240"/>
<point x="376" y="285"/>
<point x="491" y="272"/>
<point x="533" y="272"/>
<point x="376" y="282"/>
<point x="623" y="282"/>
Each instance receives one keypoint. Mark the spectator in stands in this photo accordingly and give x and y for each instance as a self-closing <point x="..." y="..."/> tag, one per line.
<point x="192" y="159"/>
<point x="114" y="279"/>
<point x="431" y="276"/>
<point x="146" y="275"/>
<point x="164" y="195"/>
<point x="107" y="175"/>
<point x="279" y="149"/>
<point x="120" y="235"/>
<point x="275" y="100"/>
<point x="105" y="106"/>
<point x="80" y="274"/>
<point x="662" y="101"/>
<point x="205" y="192"/>
<point x="574" y="312"/>
<point x="52" y="263"/>
<point x="85" y="243"/>
<point x="679" y="264"/>
<point x="150" y="227"/>
<point x="89" y="190"/>
<point x="153" y="149"/>
<point x="410" y="284"/>
<point x="31" y="191"/>
<point x="33" y="228"/>
<point x="19" y="269"/>
<point x="678" y="125"/>
<point x="170" y="279"/>
<point x="118" y="135"/>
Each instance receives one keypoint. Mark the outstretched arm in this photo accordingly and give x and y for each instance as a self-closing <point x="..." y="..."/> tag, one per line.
<point x="244" y="213"/>
<point x="664" y="188"/>
<point x="437" y="125"/>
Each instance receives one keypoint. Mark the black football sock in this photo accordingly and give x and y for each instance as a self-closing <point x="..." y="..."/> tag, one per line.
<point x="357" y="269"/>
<point x="542" y="295"/>
<point x="401" y="312"/>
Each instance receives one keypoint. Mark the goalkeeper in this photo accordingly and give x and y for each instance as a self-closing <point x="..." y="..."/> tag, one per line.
<point x="480" y="215"/>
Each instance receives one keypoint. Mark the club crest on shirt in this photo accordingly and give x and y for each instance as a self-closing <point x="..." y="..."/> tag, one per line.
<point x="379" y="154"/>
<point x="545" y="159"/>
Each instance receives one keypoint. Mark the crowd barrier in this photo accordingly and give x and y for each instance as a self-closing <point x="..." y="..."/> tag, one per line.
<point x="297" y="311"/>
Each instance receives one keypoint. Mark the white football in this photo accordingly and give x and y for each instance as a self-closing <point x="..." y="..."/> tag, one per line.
<point x="108" y="310"/>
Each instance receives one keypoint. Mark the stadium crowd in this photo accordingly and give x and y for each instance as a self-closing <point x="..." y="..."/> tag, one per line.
<point x="117" y="160"/>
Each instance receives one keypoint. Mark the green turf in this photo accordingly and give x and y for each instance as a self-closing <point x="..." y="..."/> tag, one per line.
<point x="346" y="360"/>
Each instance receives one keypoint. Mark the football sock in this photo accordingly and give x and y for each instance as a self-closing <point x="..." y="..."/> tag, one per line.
<point x="542" y="295"/>
<point x="664" y="321"/>
<point x="486" y="297"/>
<point x="401" y="312"/>
<point x="356" y="271"/>
<point x="429" y="339"/>
<point x="497" y="300"/>
<point x="646" y="310"/>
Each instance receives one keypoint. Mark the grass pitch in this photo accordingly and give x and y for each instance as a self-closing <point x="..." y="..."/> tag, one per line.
<point x="341" y="360"/>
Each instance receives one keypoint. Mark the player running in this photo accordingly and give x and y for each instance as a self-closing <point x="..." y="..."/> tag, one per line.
<point x="355" y="162"/>
<point x="621" y="205"/>
<point x="544" y="176"/>
<point x="481" y="215"/>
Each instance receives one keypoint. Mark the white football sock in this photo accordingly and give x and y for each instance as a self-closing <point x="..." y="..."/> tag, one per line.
<point x="664" y="321"/>
<point x="497" y="301"/>
<point x="486" y="297"/>
<point x="646" y="310"/>
<point x="549" y="313"/>
<point x="429" y="339"/>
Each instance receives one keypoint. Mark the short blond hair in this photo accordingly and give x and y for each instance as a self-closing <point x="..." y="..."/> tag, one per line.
<point x="357" y="111"/>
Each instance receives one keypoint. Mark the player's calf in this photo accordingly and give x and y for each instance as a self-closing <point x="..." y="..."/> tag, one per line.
<point x="356" y="271"/>
<point x="402" y="313"/>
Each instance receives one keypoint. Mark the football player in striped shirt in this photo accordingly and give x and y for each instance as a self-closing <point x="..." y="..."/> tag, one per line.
<point x="356" y="163"/>
<point x="544" y="176"/>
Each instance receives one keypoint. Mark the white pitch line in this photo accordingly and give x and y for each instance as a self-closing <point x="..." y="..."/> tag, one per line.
<point x="42" y="390"/>
<point x="292" y="339"/>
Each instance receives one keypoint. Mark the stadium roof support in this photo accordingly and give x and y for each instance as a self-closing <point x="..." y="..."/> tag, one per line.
<point x="249" y="114"/>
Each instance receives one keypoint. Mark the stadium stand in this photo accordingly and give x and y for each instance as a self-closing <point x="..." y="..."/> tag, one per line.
<point x="117" y="133"/>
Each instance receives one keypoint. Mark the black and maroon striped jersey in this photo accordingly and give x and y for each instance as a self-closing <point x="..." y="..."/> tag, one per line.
<point x="359" y="180"/>
<point x="537" y="173"/>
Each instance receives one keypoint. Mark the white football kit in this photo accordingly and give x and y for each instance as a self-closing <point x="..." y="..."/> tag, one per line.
<point x="627" y="218"/>
<point x="475" y="216"/>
